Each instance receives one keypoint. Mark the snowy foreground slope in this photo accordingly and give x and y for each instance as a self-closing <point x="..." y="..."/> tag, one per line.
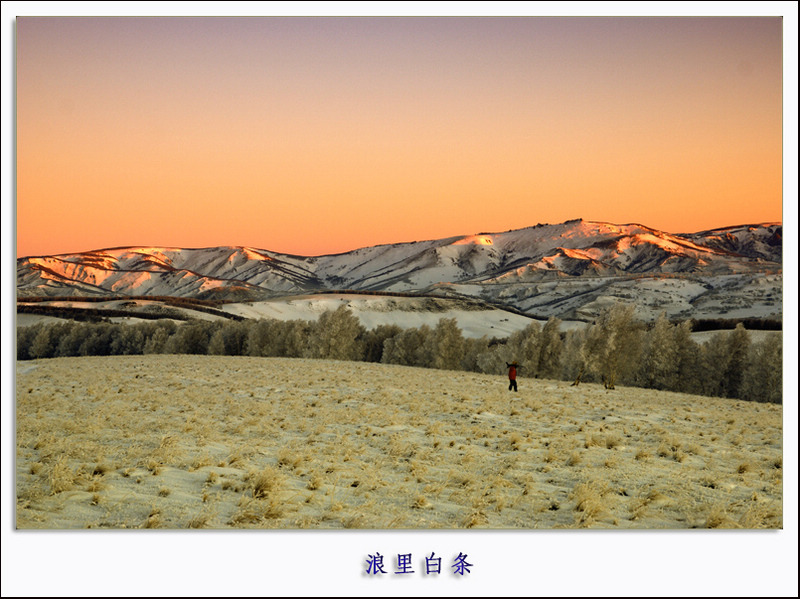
<point x="238" y="442"/>
<point x="567" y="270"/>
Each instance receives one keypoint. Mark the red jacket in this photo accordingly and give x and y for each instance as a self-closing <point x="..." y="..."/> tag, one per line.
<point x="512" y="373"/>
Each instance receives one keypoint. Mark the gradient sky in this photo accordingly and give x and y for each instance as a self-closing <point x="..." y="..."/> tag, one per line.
<point x="321" y="135"/>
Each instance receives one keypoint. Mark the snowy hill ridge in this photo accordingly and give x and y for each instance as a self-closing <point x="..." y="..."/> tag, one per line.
<point x="484" y="264"/>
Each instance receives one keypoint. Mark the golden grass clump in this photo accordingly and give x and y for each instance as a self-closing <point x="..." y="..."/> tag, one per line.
<point x="590" y="502"/>
<point x="759" y="515"/>
<point x="61" y="477"/>
<point x="265" y="483"/>
<point x="718" y="517"/>
<point x="201" y="519"/>
<point x="154" y="520"/>
<point x="574" y="459"/>
<point x="474" y="518"/>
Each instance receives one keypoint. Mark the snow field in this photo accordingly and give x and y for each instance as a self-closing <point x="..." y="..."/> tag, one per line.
<point x="239" y="442"/>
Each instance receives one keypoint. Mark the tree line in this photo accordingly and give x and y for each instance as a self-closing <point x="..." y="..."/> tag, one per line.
<point x="616" y="349"/>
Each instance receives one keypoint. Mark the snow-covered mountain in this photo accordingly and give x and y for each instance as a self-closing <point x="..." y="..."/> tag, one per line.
<point x="512" y="267"/>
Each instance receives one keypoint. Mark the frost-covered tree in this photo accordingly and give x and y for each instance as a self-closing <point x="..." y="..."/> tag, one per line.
<point x="70" y="343"/>
<point x="98" y="341"/>
<point x="493" y="360"/>
<point x="573" y="366"/>
<point x="443" y="347"/>
<point x="158" y="336"/>
<point x="738" y="348"/>
<point x="337" y="335"/>
<point x="551" y="347"/>
<point x="613" y="344"/>
<point x="658" y="367"/>
<point x="524" y="347"/>
<point x="275" y="338"/>
<point x="689" y="362"/>
<point x="375" y="339"/>
<point x="44" y="342"/>
<point x="258" y="336"/>
<point x="406" y="348"/>
<point x="189" y="338"/>
<point x="763" y="377"/>
<point x="25" y="337"/>
<point x="724" y="359"/>
<point x="713" y="364"/>
<point x="229" y="339"/>
<point x="473" y="348"/>
<point x="127" y="340"/>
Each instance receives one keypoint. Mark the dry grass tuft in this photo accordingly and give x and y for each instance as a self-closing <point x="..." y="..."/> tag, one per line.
<point x="315" y="482"/>
<point x="201" y="520"/>
<point x="101" y="469"/>
<point x="718" y="518"/>
<point x="356" y="521"/>
<point x="759" y="515"/>
<point x="590" y="501"/>
<point x="574" y="459"/>
<point x="515" y="441"/>
<point x="265" y="483"/>
<point x="709" y="482"/>
<point x="420" y="502"/>
<point x="290" y="458"/>
<point x="255" y="511"/>
<point x="95" y="485"/>
<point x="61" y="477"/>
<point x="474" y="518"/>
<point x="154" y="520"/>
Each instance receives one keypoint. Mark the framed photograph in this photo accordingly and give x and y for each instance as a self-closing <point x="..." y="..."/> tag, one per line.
<point x="384" y="297"/>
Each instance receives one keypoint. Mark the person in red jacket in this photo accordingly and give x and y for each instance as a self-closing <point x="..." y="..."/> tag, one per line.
<point x="512" y="375"/>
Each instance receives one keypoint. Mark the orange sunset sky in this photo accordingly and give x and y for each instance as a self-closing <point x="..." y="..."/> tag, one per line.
<point x="321" y="135"/>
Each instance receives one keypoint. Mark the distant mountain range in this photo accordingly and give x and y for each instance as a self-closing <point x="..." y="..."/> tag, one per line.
<point x="530" y="268"/>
